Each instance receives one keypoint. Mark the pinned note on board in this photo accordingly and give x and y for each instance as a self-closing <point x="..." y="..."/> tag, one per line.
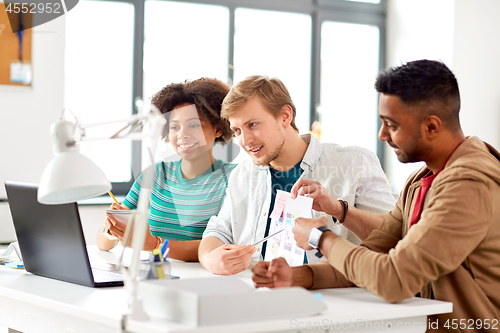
<point x="20" y="72"/>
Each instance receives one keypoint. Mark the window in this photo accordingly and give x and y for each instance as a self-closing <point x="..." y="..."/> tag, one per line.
<point x="183" y="41"/>
<point x="327" y="52"/>
<point x="280" y="46"/>
<point x="349" y="65"/>
<point x="98" y="78"/>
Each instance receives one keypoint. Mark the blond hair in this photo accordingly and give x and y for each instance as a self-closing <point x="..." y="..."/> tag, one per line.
<point x="272" y="92"/>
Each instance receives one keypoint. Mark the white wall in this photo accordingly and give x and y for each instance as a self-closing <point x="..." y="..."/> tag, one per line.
<point x="476" y="58"/>
<point x="420" y="29"/>
<point x="7" y="232"/>
<point x="464" y="35"/>
<point x="28" y="112"/>
<point x="416" y="29"/>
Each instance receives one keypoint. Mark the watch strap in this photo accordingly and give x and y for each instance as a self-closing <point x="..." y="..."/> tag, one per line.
<point x="322" y="229"/>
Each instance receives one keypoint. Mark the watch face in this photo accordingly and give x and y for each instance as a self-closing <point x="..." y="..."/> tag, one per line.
<point x="314" y="237"/>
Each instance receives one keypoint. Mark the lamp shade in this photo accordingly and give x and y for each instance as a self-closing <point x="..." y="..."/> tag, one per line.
<point x="69" y="177"/>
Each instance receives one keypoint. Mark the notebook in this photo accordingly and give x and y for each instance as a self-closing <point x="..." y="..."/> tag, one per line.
<point x="51" y="239"/>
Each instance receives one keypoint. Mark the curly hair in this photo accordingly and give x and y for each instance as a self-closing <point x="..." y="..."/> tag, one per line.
<point x="205" y="93"/>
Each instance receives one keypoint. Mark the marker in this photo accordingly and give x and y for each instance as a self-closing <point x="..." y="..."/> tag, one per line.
<point x="158" y="267"/>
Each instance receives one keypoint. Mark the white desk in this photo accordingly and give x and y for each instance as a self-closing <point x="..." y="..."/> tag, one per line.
<point x="29" y="303"/>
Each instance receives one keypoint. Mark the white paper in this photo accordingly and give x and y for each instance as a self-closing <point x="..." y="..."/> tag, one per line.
<point x="122" y="215"/>
<point x="283" y="244"/>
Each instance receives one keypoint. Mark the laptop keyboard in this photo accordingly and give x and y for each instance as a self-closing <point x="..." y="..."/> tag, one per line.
<point x="101" y="275"/>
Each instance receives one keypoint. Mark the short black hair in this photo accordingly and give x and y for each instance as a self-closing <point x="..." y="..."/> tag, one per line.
<point x="424" y="81"/>
<point x="206" y="94"/>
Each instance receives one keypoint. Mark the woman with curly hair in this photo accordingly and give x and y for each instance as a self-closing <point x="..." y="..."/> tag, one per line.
<point x="186" y="192"/>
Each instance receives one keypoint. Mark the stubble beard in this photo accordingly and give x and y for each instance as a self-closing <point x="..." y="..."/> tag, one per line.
<point x="417" y="152"/>
<point x="273" y="154"/>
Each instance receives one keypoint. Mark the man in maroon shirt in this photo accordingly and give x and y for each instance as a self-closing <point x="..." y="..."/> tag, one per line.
<point x="442" y="239"/>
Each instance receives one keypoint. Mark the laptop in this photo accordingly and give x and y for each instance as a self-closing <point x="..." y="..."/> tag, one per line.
<point x="51" y="239"/>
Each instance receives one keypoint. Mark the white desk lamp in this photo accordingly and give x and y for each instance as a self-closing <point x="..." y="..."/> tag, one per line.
<point x="71" y="176"/>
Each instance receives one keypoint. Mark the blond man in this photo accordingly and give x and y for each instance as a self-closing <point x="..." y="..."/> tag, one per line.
<point x="262" y="116"/>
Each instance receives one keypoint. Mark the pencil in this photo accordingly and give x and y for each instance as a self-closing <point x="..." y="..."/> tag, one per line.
<point x="111" y="195"/>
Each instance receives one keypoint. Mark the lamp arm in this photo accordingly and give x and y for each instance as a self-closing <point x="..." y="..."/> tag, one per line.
<point x="130" y="120"/>
<point x="127" y="131"/>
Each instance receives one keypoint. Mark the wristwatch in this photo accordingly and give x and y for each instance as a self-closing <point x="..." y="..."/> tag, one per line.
<point x="314" y="238"/>
<point x="108" y="234"/>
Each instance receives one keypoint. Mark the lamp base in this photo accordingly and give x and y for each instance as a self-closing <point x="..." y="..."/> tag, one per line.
<point x="135" y="309"/>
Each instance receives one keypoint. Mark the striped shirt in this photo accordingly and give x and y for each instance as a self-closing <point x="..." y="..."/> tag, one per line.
<point x="180" y="208"/>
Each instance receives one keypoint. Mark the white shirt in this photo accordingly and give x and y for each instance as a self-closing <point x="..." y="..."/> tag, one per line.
<point x="353" y="174"/>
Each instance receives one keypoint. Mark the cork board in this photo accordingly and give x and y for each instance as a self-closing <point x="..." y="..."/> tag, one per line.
<point x="9" y="44"/>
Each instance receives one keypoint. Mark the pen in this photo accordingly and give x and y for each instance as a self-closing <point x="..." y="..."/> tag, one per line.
<point x="112" y="196"/>
<point x="266" y="238"/>
<point x="165" y="255"/>
<point x="164" y="249"/>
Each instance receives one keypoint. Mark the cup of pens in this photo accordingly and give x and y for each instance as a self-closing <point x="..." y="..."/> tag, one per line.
<point x="158" y="265"/>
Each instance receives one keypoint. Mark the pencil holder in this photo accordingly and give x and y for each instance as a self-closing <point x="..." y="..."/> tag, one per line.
<point x="158" y="270"/>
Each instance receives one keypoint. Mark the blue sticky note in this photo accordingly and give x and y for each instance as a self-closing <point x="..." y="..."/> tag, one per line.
<point x="15" y="264"/>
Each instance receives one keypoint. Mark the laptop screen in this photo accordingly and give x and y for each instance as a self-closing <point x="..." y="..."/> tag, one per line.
<point x="50" y="237"/>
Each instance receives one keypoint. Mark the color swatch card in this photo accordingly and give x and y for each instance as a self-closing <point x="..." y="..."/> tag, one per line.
<point x="283" y="216"/>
